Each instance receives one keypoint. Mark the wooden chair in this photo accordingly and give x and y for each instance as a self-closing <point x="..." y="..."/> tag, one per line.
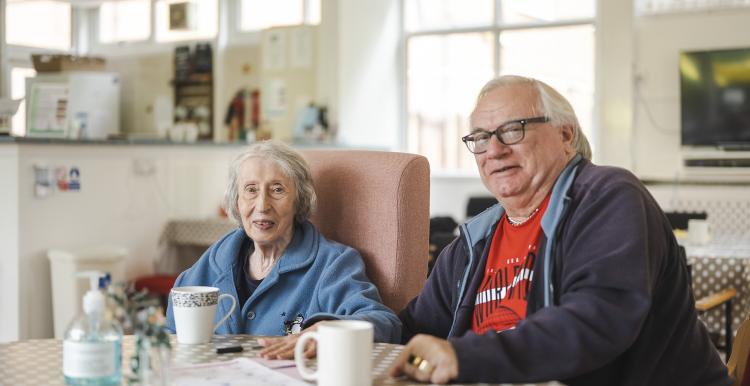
<point x="738" y="360"/>
<point x="712" y="301"/>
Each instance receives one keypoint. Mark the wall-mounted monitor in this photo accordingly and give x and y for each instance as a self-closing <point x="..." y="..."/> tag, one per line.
<point x="715" y="98"/>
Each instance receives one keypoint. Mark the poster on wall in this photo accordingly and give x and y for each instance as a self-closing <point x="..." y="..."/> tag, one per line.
<point x="276" y="98"/>
<point x="301" y="48"/>
<point x="48" y="109"/>
<point x="274" y="50"/>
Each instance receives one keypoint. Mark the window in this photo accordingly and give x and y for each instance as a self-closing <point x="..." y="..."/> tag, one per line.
<point x="261" y="14"/>
<point x="50" y="27"/>
<point x="124" y="20"/>
<point x="442" y="86"/>
<point x="524" y="11"/>
<point x="18" y="77"/>
<point x="454" y="47"/>
<point x="198" y="19"/>
<point x="565" y="62"/>
<point x="446" y="14"/>
<point x="655" y="7"/>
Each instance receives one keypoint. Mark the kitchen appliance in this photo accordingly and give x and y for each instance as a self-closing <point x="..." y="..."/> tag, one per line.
<point x="77" y="104"/>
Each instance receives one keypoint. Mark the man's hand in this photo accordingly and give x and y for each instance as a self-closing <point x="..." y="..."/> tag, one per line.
<point x="282" y="347"/>
<point x="427" y="359"/>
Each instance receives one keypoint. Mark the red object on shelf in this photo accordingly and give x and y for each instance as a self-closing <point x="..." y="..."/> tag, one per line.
<point x="255" y="109"/>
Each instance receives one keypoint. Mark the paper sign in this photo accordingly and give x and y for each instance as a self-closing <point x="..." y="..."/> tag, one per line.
<point x="48" y="109"/>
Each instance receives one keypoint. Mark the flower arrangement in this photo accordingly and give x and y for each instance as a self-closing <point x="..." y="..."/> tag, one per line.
<point x="142" y="315"/>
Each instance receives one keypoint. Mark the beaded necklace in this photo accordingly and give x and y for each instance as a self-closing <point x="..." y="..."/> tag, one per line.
<point x="518" y="221"/>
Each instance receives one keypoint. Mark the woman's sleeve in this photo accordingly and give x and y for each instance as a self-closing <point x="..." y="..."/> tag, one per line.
<point x="345" y="292"/>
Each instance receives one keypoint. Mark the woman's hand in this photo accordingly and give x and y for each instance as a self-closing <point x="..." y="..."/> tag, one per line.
<point x="427" y="359"/>
<point x="282" y="347"/>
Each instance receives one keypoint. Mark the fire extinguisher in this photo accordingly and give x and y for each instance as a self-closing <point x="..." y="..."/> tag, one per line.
<point x="255" y="109"/>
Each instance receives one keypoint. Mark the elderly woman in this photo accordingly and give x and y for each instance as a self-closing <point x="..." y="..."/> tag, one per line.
<point x="285" y="275"/>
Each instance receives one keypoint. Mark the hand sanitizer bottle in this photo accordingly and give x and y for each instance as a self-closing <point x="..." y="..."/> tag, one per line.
<point x="92" y="346"/>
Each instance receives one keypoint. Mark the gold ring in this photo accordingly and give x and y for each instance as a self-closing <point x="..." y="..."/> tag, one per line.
<point x="424" y="366"/>
<point x="414" y="360"/>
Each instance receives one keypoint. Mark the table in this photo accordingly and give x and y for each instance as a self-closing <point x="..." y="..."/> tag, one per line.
<point x="718" y="265"/>
<point x="39" y="362"/>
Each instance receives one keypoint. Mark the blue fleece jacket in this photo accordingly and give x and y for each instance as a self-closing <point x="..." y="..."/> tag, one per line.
<point x="315" y="279"/>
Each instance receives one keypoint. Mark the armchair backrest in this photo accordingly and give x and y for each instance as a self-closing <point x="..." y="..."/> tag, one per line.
<point x="377" y="203"/>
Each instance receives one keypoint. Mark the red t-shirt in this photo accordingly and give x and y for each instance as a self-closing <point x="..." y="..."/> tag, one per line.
<point x="501" y="297"/>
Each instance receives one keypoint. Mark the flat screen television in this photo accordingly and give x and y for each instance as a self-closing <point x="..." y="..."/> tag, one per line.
<point x="715" y="98"/>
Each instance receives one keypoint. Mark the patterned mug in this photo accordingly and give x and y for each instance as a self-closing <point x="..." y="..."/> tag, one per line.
<point x="194" y="312"/>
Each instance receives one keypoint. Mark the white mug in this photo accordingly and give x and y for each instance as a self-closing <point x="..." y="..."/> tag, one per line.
<point x="194" y="310"/>
<point x="698" y="232"/>
<point x="344" y="353"/>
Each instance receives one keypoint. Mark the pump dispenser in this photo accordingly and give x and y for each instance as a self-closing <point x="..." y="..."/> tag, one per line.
<point x="92" y="346"/>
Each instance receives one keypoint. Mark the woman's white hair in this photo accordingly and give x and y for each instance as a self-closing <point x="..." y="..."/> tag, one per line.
<point x="551" y="104"/>
<point x="293" y="165"/>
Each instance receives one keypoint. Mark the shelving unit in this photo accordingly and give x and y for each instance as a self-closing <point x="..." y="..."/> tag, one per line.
<point x="194" y="89"/>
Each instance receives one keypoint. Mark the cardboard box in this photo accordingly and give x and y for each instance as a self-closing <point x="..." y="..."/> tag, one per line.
<point x="58" y="63"/>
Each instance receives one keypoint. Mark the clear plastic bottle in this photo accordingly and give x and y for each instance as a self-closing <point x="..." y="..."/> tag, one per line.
<point x="92" y="349"/>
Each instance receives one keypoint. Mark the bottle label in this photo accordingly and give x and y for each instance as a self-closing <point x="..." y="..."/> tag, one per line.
<point x="88" y="359"/>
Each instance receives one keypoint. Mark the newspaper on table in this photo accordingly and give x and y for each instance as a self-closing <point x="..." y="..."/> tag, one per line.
<point x="237" y="372"/>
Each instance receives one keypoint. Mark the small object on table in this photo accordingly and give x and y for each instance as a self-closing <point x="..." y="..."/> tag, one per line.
<point x="230" y="349"/>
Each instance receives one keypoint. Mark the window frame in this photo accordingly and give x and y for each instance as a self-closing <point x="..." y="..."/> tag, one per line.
<point x="15" y="50"/>
<point x="496" y="27"/>
<point x="229" y="32"/>
<point x="238" y="18"/>
<point x="19" y="56"/>
<point x="93" y="17"/>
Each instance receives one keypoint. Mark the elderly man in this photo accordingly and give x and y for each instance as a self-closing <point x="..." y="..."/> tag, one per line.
<point x="574" y="276"/>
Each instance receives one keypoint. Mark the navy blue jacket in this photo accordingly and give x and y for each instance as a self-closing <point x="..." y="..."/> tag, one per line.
<point x="610" y="301"/>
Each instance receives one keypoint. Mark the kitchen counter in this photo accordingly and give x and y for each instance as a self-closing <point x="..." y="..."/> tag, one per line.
<point x="7" y="139"/>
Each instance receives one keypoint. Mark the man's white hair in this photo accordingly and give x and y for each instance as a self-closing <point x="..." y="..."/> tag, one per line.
<point x="551" y="104"/>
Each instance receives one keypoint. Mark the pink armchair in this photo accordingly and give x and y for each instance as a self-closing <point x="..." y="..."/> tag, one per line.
<point x="378" y="203"/>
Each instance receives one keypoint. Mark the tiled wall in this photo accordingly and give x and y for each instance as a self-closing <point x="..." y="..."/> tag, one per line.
<point x="727" y="206"/>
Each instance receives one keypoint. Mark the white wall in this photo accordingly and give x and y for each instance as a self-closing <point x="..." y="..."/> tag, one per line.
<point x="658" y="41"/>
<point x="144" y="78"/>
<point x="327" y="59"/>
<point x="450" y="194"/>
<point x="368" y="67"/>
<point x="9" y="278"/>
<point x="613" y="88"/>
<point x="127" y="194"/>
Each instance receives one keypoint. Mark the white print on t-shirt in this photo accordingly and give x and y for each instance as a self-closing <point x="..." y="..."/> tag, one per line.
<point x="494" y="294"/>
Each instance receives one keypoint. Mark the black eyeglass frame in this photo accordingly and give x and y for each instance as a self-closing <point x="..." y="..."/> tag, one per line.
<point x="497" y="133"/>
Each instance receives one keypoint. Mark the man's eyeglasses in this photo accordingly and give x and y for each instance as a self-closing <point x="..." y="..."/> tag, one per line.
<point x="508" y="133"/>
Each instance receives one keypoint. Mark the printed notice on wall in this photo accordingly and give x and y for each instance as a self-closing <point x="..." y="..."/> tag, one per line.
<point x="48" y="107"/>
<point x="276" y="98"/>
<point x="301" y="48"/>
<point x="274" y="50"/>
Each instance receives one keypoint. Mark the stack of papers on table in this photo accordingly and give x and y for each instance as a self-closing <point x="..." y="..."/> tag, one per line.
<point x="237" y="372"/>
